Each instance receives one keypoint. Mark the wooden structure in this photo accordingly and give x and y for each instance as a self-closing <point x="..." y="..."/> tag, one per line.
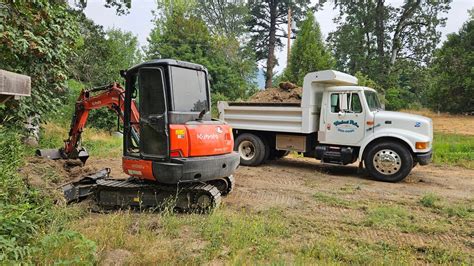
<point x="13" y="85"/>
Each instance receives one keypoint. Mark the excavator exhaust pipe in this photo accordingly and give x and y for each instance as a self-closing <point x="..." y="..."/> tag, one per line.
<point x="57" y="154"/>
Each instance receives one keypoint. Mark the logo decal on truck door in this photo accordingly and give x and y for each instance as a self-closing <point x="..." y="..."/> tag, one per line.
<point x="346" y="126"/>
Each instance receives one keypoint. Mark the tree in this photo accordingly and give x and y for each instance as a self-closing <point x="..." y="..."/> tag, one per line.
<point x="37" y="38"/>
<point x="373" y="35"/>
<point x="266" y="22"/>
<point x="99" y="59"/>
<point x="122" y="7"/>
<point x="308" y="53"/>
<point x="224" y="17"/>
<point x="452" y="71"/>
<point x="180" y="34"/>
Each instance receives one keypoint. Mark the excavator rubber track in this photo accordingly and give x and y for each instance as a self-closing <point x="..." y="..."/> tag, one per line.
<point x="113" y="194"/>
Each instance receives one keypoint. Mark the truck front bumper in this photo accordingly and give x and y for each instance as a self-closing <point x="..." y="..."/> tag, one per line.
<point x="424" y="158"/>
<point x="196" y="169"/>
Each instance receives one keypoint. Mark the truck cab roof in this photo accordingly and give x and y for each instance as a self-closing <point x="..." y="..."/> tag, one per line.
<point x="350" y="88"/>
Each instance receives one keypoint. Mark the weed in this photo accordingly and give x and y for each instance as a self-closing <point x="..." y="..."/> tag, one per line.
<point x="65" y="248"/>
<point x="440" y="255"/>
<point x="460" y="210"/>
<point x="331" y="200"/>
<point x="430" y="200"/>
<point x="337" y="250"/>
<point x="25" y="213"/>
<point x="244" y="235"/>
<point x="391" y="217"/>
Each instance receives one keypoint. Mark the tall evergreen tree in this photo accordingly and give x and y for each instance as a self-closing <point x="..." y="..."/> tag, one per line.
<point x="266" y="25"/>
<point x="308" y="52"/>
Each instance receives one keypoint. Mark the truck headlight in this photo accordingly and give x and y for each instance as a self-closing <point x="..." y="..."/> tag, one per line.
<point x="422" y="145"/>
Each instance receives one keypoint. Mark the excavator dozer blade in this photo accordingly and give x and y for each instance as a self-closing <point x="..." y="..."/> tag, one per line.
<point x="53" y="154"/>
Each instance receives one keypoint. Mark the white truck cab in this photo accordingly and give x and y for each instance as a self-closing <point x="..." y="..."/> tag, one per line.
<point x="337" y="122"/>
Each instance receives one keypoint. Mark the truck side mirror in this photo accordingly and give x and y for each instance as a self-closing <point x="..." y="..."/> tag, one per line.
<point x="343" y="102"/>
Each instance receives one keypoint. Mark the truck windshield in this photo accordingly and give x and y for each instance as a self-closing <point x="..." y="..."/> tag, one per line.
<point x="189" y="90"/>
<point x="372" y="100"/>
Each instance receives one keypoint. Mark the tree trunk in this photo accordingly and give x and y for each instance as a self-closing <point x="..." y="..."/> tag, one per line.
<point x="271" y="60"/>
<point x="380" y="32"/>
<point x="408" y="10"/>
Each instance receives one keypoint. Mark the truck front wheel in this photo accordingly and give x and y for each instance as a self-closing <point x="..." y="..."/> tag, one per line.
<point x="388" y="161"/>
<point x="251" y="149"/>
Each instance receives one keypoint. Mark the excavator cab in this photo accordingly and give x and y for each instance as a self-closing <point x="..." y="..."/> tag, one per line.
<point x="179" y="142"/>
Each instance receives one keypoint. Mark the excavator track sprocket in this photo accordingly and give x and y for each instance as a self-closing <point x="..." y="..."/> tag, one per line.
<point x="224" y="185"/>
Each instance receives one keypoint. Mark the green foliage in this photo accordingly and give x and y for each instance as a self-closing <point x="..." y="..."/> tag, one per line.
<point x="251" y="236"/>
<point x="372" y="36"/>
<point x="308" y="52"/>
<point x="37" y="38"/>
<point x="26" y="214"/>
<point x="453" y="73"/>
<point x="331" y="200"/>
<point x="225" y="18"/>
<point x="388" y="217"/>
<point x="398" y="98"/>
<point x="184" y="36"/>
<point x="454" y="150"/>
<point x="65" y="248"/>
<point x="391" y="45"/>
<point x="99" y="61"/>
<point x="430" y="200"/>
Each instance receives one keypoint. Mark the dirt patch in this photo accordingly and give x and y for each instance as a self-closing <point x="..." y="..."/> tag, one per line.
<point x="46" y="174"/>
<point x="286" y="93"/>
<point x="116" y="257"/>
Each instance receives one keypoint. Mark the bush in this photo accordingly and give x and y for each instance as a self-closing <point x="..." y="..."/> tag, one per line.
<point x="25" y="214"/>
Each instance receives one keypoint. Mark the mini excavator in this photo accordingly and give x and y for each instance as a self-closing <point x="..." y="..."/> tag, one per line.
<point x="173" y="151"/>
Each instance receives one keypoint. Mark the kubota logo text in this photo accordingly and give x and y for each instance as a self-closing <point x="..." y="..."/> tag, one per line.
<point x="207" y="136"/>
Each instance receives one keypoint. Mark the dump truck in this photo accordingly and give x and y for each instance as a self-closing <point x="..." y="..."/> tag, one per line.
<point x="337" y="122"/>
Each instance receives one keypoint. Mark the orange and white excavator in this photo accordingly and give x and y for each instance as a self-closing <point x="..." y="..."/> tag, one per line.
<point x="173" y="151"/>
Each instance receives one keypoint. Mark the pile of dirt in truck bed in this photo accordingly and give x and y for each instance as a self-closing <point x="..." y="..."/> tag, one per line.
<point x="48" y="175"/>
<point x="285" y="93"/>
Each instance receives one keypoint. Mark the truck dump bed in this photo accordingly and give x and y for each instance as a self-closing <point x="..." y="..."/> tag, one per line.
<point x="286" y="117"/>
<point x="280" y="117"/>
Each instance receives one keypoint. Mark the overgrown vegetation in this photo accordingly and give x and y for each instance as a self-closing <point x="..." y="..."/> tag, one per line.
<point x="453" y="150"/>
<point x="31" y="225"/>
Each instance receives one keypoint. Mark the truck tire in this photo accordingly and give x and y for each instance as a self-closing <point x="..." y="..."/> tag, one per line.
<point x="388" y="161"/>
<point x="251" y="149"/>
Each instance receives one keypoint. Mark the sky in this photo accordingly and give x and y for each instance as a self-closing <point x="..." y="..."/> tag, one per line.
<point x="139" y="20"/>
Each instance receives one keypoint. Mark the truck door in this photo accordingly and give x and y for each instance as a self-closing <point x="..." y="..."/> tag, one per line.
<point x="345" y="119"/>
<point x="154" y="140"/>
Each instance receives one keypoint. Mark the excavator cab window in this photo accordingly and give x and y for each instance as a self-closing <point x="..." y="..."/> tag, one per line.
<point x="154" y="141"/>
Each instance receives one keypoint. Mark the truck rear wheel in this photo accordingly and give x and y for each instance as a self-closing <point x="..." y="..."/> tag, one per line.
<point x="251" y="149"/>
<point x="388" y="161"/>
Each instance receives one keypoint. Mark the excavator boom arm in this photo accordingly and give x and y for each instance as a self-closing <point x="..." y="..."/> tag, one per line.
<point x="111" y="96"/>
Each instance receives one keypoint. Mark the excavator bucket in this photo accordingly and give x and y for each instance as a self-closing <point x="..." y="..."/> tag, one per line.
<point x="53" y="154"/>
<point x="56" y="154"/>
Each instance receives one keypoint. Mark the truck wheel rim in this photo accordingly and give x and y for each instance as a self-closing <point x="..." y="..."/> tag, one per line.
<point x="387" y="162"/>
<point x="247" y="150"/>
